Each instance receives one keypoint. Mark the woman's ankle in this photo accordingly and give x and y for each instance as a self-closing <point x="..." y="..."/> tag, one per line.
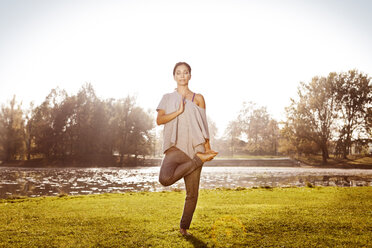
<point x="198" y="160"/>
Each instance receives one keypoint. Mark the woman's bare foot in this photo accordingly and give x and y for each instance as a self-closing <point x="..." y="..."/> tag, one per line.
<point x="211" y="151"/>
<point x="184" y="232"/>
<point x="206" y="156"/>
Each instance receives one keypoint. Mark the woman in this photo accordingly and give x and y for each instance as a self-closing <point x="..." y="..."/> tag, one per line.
<point x="186" y="140"/>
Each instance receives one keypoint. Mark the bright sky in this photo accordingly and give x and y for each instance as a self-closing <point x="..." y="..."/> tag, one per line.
<point x="239" y="50"/>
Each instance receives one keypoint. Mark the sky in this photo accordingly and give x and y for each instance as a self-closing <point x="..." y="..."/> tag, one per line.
<point x="239" y="51"/>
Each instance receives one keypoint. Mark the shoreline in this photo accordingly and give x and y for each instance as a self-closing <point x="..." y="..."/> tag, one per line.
<point x="364" y="162"/>
<point x="226" y="189"/>
<point x="281" y="162"/>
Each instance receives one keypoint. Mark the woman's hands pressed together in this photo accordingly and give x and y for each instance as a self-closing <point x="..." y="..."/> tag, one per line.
<point x="163" y="118"/>
<point x="182" y="106"/>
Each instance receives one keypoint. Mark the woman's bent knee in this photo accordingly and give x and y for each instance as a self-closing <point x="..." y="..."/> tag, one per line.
<point x="165" y="181"/>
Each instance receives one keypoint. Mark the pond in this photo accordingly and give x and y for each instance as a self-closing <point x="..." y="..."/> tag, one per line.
<point x="79" y="181"/>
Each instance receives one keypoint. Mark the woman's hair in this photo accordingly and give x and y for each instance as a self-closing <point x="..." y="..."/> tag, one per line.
<point x="181" y="63"/>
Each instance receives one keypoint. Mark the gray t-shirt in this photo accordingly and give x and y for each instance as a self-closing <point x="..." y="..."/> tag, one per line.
<point x="187" y="131"/>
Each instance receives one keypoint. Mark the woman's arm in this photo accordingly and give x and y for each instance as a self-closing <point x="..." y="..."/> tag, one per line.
<point x="163" y="118"/>
<point x="199" y="100"/>
<point x="201" y="103"/>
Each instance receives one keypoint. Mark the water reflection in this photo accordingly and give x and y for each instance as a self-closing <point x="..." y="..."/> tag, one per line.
<point x="53" y="181"/>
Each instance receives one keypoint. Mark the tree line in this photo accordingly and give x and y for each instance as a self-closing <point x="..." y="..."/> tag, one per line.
<point x="331" y="114"/>
<point x="79" y="128"/>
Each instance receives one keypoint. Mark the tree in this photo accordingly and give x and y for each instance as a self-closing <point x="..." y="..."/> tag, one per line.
<point x="84" y="130"/>
<point x="47" y="125"/>
<point x="232" y="133"/>
<point x="259" y="128"/>
<point x="368" y="122"/>
<point x="313" y="114"/>
<point x="121" y="125"/>
<point x="353" y="97"/>
<point x="271" y="135"/>
<point x="139" y="136"/>
<point x="80" y="128"/>
<point x="212" y="130"/>
<point x="28" y="130"/>
<point x="290" y="142"/>
<point x="11" y="131"/>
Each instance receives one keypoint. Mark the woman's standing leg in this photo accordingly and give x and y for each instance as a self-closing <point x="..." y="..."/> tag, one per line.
<point x="192" y="191"/>
<point x="175" y="165"/>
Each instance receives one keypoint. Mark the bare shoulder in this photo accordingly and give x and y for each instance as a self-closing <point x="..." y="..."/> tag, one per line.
<point x="199" y="99"/>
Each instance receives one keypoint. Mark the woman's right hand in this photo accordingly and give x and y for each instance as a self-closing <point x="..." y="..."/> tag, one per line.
<point x="182" y="106"/>
<point x="163" y="118"/>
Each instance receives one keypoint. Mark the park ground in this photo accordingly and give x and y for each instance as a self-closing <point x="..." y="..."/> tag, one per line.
<point x="241" y="217"/>
<point x="352" y="161"/>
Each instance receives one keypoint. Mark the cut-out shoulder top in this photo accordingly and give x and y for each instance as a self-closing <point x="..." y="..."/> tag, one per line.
<point x="187" y="131"/>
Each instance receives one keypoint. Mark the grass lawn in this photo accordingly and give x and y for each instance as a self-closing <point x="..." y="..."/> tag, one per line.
<point x="255" y="217"/>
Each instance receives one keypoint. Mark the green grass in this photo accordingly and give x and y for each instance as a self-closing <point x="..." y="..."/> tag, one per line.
<point x="256" y="217"/>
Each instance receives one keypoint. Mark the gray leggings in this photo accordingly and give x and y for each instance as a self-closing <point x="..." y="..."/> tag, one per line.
<point x="175" y="165"/>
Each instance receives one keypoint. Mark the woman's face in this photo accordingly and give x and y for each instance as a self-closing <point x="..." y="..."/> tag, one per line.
<point x="182" y="75"/>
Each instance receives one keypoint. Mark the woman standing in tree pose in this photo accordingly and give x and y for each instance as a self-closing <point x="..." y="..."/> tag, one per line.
<point x="186" y="140"/>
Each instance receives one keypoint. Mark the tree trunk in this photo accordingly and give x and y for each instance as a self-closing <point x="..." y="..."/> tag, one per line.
<point x="327" y="153"/>
<point x="345" y="147"/>
<point x="121" y="159"/>
<point x="324" y="154"/>
<point x="347" y="142"/>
